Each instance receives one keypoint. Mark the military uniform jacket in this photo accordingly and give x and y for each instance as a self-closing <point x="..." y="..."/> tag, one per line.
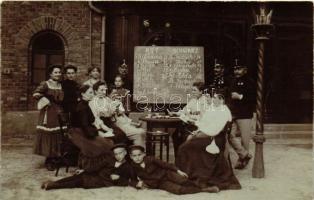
<point x="220" y="85"/>
<point x="243" y="108"/>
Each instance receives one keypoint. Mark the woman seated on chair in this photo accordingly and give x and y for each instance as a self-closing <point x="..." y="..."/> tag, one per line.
<point x="94" y="149"/>
<point x="202" y="155"/>
<point x="193" y="110"/>
<point x="105" y="110"/>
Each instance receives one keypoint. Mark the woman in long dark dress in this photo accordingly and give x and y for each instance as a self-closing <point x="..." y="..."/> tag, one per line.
<point x="94" y="149"/>
<point x="199" y="156"/>
<point x="48" y="139"/>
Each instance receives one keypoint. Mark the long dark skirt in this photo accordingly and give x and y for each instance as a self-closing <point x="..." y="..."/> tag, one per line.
<point x="48" y="139"/>
<point x="94" y="152"/>
<point x="206" y="168"/>
<point x="120" y="136"/>
<point x="48" y="143"/>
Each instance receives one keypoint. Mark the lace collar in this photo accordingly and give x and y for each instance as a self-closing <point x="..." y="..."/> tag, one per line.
<point x="50" y="83"/>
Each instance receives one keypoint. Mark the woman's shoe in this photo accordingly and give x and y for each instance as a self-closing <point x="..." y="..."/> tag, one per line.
<point x="211" y="189"/>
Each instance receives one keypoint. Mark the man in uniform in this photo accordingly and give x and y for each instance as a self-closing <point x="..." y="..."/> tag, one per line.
<point x="220" y="83"/>
<point x="242" y="104"/>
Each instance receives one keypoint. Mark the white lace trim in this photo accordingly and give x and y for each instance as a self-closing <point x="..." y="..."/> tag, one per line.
<point x="51" y="87"/>
<point x="50" y="129"/>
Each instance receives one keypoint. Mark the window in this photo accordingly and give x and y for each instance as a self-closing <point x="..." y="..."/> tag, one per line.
<point x="47" y="49"/>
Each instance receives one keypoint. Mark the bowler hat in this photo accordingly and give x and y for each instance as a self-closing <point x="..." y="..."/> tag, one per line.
<point x="120" y="145"/>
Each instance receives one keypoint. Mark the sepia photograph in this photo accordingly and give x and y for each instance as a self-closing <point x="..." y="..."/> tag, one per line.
<point x="161" y="100"/>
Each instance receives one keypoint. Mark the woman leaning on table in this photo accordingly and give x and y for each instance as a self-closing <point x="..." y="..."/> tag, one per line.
<point x="194" y="109"/>
<point x="48" y="139"/>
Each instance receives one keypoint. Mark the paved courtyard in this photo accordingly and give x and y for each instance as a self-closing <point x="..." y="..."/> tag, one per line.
<point x="288" y="167"/>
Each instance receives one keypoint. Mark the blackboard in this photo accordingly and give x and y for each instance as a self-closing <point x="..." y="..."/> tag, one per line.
<point x="166" y="74"/>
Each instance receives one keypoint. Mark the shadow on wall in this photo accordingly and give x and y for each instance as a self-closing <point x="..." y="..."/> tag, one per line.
<point x="19" y="124"/>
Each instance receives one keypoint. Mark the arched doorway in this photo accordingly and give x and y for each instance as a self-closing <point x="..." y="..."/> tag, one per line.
<point x="47" y="48"/>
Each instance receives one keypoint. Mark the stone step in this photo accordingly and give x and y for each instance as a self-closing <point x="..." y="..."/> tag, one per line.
<point x="288" y="127"/>
<point x="288" y="134"/>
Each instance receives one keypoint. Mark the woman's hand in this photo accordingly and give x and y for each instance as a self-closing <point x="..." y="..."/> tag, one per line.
<point x="235" y="95"/>
<point x="104" y="127"/>
<point x="114" y="177"/>
<point x="103" y="113"/>
<point x="78" y="171"/>
<point x="190" y="137"/>
<point x="141" y="185"/>
<point x="181" y="173"/>
<point x="109" y="130"/>
<point x="200" y="134"/>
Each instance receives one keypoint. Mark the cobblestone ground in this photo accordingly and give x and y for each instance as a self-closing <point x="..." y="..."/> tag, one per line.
<point x="288" y="169"/>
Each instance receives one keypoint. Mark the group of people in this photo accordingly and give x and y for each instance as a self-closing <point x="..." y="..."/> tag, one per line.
<point x="97" y="117"/>
<point x="239" y="94"/>
<point x="110" y="146"/>
<point x="131" y="167"/>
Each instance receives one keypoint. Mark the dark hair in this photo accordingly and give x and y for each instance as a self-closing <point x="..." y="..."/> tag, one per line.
<point x="199" y="85"/>
<point x="52" y="67"/>
<point x="92" y="68"/>
<point x="136" y="147"/>
<point x="118" y="75"/>
<point x="84" y="88"/>
<point x="98" y="84"/>
<point x="70" y="67"/>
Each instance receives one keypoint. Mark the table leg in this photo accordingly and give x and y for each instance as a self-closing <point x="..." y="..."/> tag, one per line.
<point x="167" y="141"/>
<point x="149" y="140"/>
<point x="161" y="146"/>
<point x="176" y="140"/>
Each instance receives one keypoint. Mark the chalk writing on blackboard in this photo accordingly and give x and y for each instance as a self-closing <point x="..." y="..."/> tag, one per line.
<point x="162" y="72"/>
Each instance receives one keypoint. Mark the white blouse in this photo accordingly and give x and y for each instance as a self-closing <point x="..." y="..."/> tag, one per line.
<point x="214" y="120"/>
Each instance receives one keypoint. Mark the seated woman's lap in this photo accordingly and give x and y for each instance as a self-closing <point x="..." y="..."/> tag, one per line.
<point x="90" y="146"/>
<point x="212" y="169"/>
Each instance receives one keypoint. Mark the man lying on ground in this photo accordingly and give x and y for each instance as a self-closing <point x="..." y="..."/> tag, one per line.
<point x="156" y="174"/>
<point x="116" y="172"/>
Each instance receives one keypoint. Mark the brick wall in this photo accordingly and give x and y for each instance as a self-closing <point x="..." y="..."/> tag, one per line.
<point x="22" y="20"/>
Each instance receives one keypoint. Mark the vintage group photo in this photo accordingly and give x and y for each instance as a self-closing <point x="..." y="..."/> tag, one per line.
<point x="156" y="100"/>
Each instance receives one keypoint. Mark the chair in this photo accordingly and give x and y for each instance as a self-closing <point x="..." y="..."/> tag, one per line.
<point x="64" y="124"/>
<point x="157" y="137"/>
<point x="227" y="130"/>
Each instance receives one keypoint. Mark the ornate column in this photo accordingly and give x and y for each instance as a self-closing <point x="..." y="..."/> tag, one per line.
<point x="263" y="30"/>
